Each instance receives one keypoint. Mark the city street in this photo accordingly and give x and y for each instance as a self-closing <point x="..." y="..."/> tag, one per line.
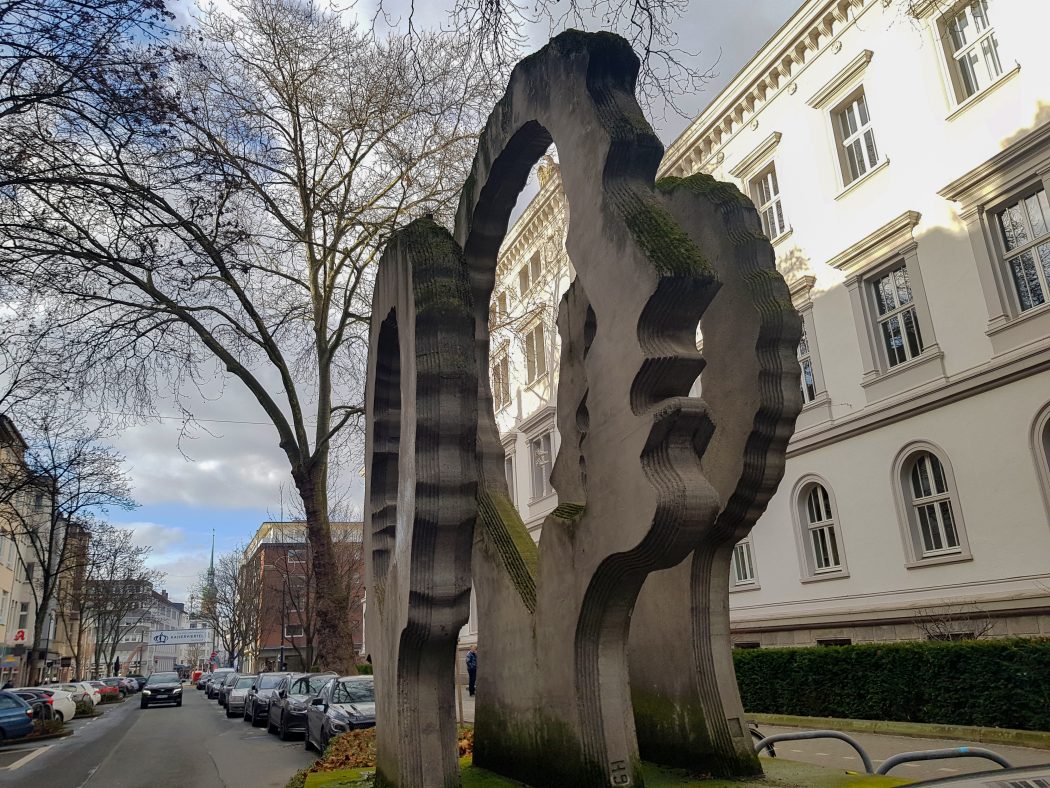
<point x="194" y="746"/>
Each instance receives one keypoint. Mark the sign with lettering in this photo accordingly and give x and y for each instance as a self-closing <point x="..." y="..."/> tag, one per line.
<point x="19" y="636"/>
<point x="177" y="637"/>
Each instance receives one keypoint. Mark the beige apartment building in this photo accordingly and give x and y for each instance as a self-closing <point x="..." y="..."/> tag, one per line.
<point x="899" y="156"/>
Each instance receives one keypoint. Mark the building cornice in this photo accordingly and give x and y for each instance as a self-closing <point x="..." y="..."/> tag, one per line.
<point x="757" y="156"/>
<point x="841" y="80"/>
<point x="536" y="216"/>
<point x="967" y="188"/>
<point x="815" y="26"/>
<point x="884" y="241"/>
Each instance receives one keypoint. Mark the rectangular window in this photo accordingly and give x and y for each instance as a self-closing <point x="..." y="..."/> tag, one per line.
<point x="529" y="274"/>
<point x="3" y="607"/>
<point x="856" y="136"/>
<point x="508" y="469"/>
<point x="541" y="457"/>
<point x="501" y="382"/>
<point x="897" y="326"/>
<point x="765" y="191"/>
<point x="535" y="354"/>
<point x="972" y="49"/>
<point x="293" y="630"/>
<point x="23" y="615"/>
<point x="805" y="362"/>
<point x="742" y="571"/>
<point x="296" y="555"/>
<point x="1024" y="229"/>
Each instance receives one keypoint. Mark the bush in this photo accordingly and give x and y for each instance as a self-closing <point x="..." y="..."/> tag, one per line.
<point x="365" y="669"/>
<point x="85" y="709"/>
<point x="111" y="699"/>
<point x="995" y="683"/>
<point x="44" y="727"/>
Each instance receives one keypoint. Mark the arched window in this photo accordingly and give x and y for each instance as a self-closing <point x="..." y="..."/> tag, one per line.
<point x="932" y="501"/>
<point x="1041" y="449"/>
<point x="823" y="540"/>
<point x="929" y="503"/>
<point x="819" y="536"/>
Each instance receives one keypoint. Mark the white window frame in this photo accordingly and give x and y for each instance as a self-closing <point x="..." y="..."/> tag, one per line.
<point x="859" y="137"/>
<point x="866" y="261"/>
<point x="535" y="353"/>
<point x="1030" y="247"/>
<point x="765" y="193"/>
<point x="510" y="470"/>
<point x="288" y="634"/>
<point x="805" y="528"/>
<point x="529" y="274"/>
<point x="1017" y="171"/>
<point x="537" y="492"/>
<point x="743" y="559"/>
<point x="1040" y="443"/>
<point x="917" y="552"/>
<point x="898" y="312"/>
<point x="974" y="51"/>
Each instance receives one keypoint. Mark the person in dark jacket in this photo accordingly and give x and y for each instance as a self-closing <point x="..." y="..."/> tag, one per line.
<point x="472" y="669"/>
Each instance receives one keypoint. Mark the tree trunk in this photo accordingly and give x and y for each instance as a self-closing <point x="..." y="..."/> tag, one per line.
<point x="33" y="663"/>
<point x="331" y="604"/>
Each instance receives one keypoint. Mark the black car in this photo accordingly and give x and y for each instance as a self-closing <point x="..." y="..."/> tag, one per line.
<point x="287" y="714"/>
<point x="343" y="704"/>
<point x="263" y="691"/>
<point x="225" y="683"/>
<point x="217" y="675"/>
<point x="162" y="688"/>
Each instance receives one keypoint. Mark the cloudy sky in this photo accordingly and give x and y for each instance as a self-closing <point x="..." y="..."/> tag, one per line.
<point x="229" y="475"/>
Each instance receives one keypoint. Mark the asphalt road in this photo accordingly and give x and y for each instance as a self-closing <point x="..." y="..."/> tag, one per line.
<point x="838" y="754"/>
<point x="194" y="746"/>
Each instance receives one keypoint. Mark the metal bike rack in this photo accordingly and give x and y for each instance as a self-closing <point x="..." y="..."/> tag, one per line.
<point x="777" y="737"/>
<point x="934" y="755"/>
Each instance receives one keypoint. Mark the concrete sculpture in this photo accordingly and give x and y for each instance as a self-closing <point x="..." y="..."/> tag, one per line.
<point x="646" y="475"/>
<point x="420" y="498"/>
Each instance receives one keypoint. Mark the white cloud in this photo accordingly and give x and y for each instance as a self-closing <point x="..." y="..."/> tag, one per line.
<point x="160" y="537"/>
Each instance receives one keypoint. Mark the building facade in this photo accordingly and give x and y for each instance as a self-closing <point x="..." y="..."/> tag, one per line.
<point x="279" y="571"/>
<point x="136" y="650"/>
<point x="898" y="154"/>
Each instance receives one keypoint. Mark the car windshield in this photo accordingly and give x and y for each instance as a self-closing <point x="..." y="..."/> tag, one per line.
<point x="163" y="678"/>
<point x="269" y="682"/>
<point x="244" y="682"/>
<point x="111" y="682"/>
<point x="357" y="691"/>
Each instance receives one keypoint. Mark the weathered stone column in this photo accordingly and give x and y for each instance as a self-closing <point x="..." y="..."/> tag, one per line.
<point x="420" y="500"/>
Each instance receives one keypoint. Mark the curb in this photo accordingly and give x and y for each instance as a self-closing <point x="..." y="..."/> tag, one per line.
<point x="33" y="739"/>
<point x="922" y="730"/>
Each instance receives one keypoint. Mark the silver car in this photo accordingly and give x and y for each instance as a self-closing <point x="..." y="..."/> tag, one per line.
<point x="237" y="694"/>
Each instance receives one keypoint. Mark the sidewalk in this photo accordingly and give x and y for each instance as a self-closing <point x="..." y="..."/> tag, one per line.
<point x="464" y="705"/>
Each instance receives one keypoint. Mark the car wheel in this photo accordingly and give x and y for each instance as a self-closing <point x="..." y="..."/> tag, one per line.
<point x="282" y="731"/>
<point x="60" y="716"/>
<point x="270" y="727"/>
<point x="324" y="739"/>
<point x="228" y="715"/>
<point x="178" y="702"/>
<point x="307" y="744"/>
<point x="143" y="705"/>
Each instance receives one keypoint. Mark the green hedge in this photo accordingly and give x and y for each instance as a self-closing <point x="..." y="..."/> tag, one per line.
<point x="997" y="683"/>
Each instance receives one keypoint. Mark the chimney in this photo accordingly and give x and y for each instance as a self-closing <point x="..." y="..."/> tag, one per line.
<point x="164" y="594"/>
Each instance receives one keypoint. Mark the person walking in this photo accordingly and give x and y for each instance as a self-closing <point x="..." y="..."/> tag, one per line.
<point x="472" y="669"/>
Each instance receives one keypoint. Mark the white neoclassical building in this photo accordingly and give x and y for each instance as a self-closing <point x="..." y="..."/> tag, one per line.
<point x="899" y="155"/>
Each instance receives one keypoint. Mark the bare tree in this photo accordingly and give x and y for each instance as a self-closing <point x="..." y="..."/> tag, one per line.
<point x="954" y="622"/>
<point x="230" y="604"/>
<point x="61" y="473"/>
<point x="219" y="212"/>
<point x="120" y="592"/>
<point x="109" y="582"/>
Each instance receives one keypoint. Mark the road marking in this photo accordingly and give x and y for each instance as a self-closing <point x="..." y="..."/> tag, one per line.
<point x="28" y="757"/>
<point x="849" y="757"/>
<point x="822" y="754"/>
<point x="947" y="769"/>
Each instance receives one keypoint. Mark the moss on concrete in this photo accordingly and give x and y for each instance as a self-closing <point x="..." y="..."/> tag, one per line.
<point x="662" y="239"/>
<point x="503" y="529"/>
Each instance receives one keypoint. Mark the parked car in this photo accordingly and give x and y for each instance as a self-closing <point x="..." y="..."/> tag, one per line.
<point x="224" y="687"/>
<point x="82" y="691"/>
<point x="63" y="706"/>
<point x="105" y="690"/>
<point x="162" y="688"/>
<point x="262" y="692"/>
<point x="287" y="714"/>
<point x="212" y="687"/>
<point x="344" y="704"/>
<point x="130" y="685"/>
<point x="41" y="703"/>
<point x="16" y="716"/>
<point x="237" y="693"/>
<point x="118" y="682"/>
<point x="140" y="680"/>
